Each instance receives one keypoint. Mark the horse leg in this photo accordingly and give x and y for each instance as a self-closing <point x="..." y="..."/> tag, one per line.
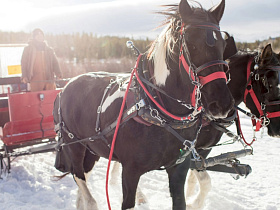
<point x="115" y="171"/>
<point x="192" y="180"/>
<point x="84" y="198"/>
<point x="81" y="168"/>
<point x="177" y="177"/>
<point x="140" y="197"/>
<point x="130" y="181"/>
<point x="204" y="181"/>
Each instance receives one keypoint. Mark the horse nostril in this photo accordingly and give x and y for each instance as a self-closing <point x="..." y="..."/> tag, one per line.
<point x="219" y="109"/>
<point x="214" y="107"/>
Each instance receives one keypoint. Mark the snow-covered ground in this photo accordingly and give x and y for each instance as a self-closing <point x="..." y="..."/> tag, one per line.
<point x="31" y="186"/>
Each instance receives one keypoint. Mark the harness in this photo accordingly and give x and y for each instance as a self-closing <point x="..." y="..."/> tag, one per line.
<point x="254" y="76"/>
<point x="142" y="111"/>
<point x="146" y="109"/>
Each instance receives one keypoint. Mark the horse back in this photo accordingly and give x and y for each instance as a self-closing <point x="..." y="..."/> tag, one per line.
<point x="79" y="102"/>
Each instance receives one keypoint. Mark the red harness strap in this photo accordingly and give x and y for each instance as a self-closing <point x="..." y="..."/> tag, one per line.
<point x="273" y="114"/>
<point x="206" y="79"/>
<point x="187" y="68"/>
<point x="251" y="90"/>
<point x="185" y="65"/>
<point x="211" y="77"/>
<point x="158" y="105"/>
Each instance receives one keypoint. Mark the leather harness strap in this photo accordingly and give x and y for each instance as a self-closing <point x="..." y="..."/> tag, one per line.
<point x="250" y="91"/>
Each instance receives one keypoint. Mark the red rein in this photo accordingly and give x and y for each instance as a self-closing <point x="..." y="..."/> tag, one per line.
<point x="116" y="133"/>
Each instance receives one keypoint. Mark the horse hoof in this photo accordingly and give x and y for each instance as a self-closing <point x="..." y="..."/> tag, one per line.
<point x="194" y="206"/>
<point x="141" y="201"/>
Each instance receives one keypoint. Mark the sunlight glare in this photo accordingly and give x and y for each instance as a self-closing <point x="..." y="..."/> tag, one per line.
<point x="14" y="18"/>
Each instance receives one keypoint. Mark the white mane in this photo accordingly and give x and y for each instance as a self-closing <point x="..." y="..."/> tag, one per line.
<point x="158" y="55"/>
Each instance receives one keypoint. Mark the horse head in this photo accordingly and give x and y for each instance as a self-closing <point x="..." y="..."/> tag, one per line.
<point x="265" y="84"/>
<point x="192" y="59"/>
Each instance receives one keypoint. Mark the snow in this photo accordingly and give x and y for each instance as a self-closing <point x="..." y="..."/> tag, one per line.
<point x="31" y="184"/>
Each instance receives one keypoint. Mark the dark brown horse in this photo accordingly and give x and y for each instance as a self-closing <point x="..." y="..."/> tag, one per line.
<point x="254" y="81"/>
<point x="181" y="75"/>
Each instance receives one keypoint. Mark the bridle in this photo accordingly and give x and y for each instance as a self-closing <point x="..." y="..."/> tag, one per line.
<point x="261" y="105"/>
<point x="185" y="62"/>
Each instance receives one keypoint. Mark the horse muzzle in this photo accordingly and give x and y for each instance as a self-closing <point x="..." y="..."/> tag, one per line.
<point x="219" y="109"/>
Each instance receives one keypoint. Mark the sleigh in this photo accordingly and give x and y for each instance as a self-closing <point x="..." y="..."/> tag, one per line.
<point x="26" y="122"/>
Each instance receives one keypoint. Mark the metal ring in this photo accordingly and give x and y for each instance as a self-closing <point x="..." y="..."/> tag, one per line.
<point x="71" y="135"/>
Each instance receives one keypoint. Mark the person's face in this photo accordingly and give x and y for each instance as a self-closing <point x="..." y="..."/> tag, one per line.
<point x="40" y="37"/>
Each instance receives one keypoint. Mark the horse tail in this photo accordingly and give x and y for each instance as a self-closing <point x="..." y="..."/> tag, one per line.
<point x="57" y="178"/>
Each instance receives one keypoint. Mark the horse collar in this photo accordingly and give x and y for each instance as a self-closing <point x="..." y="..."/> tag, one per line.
<point x="153" y="112"/>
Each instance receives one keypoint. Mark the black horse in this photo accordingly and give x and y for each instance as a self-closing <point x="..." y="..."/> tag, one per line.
<point x="254" y="81"/>
<point x="181" y="76"/>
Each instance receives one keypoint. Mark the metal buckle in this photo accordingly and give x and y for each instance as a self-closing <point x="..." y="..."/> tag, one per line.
<point x="192" y="148"/>
<point x="71" y="135"/>
<point x="265" y="121"/>
<point x="257" y="77"/>
<point x="263" y="106"/>
<point x="140" y="104"/>
<point x="154" y="113"/>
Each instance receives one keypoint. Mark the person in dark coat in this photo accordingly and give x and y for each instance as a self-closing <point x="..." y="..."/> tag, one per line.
<point x="39" y="63"/>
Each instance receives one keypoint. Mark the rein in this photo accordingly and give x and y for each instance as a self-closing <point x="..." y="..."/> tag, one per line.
<point x="116" y="133"/>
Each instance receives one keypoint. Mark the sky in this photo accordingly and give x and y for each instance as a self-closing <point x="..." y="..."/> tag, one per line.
<point x="248" y="20"/>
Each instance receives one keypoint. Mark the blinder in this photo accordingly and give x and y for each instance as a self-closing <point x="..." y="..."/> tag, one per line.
<point x="210" y="39"/>
<point x="231" y="48"/>
<point x="264" y="85"/>
<point x="264" y="78"/>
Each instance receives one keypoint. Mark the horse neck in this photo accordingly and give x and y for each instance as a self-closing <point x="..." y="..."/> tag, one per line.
<point x="167" y="76"/>
<point x="238" y="74"/>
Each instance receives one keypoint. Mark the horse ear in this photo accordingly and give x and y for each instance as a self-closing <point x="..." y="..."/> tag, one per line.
<point x="266" y="54"/>
<point x="218" y="11"/>
<point x="185" y="10"/>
